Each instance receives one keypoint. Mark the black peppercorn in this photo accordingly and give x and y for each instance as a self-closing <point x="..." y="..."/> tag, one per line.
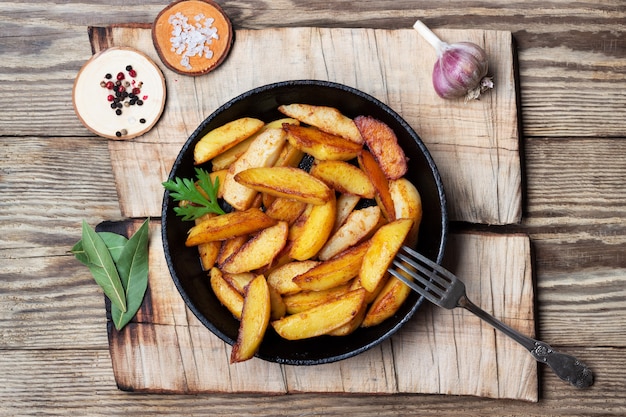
<point x="118" y="112"/>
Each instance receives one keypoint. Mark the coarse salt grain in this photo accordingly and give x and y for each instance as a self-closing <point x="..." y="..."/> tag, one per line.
<point x="189" y="40"/>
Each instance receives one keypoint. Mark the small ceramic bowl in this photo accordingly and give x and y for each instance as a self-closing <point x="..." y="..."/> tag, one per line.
<point x="262" y="102"/>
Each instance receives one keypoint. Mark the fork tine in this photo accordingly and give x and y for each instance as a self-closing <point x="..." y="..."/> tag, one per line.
<point x="435" y="280"/>
<point x="420" y="280"/>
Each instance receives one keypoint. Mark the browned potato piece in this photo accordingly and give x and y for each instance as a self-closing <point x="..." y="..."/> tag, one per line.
<point x="278" y="309"/>
<point x="286" y="182"/>
<point x="224" y="137"/>
<point x="321" y="319"/>
<point x="344" y="177"/>
<point x="370" y="296"/>
<point x="391" y="297"/>
<point x="208" y="251"/>
<point x="321" y="145"/>
<point x="353" y="324"/>
<point x="383" y="144"/>
<point x="385" y="244"/>
<point x="345" y="204"/>
<point x="285" y="209"/>
<point x="229" y="225"/>
<point x="282" y="277"/>
<point x="380" y="182"/>
<point x="262" y="152"/>
<point x="309" y="233"/>
<point x="228" y="296"/>
<point x="239" y="281"/>
<point x="305" y="300"/>
<point x="327" y="119"/>
<point x="408" y="205"/>
<point x="259" y="251"/>
<point x="335" y="271"/>
<point x="359" y="225"/>
<point x="230" y="246"/>
<point x="255" y="318"/>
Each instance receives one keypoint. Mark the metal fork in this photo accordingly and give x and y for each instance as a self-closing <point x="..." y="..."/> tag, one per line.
<point x="443" y="288"/>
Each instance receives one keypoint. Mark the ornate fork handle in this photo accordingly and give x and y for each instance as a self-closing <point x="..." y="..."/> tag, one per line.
<point x="566" y="367"/>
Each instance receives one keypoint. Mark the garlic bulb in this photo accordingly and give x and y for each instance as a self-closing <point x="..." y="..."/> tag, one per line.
<point x="461" y="68"/>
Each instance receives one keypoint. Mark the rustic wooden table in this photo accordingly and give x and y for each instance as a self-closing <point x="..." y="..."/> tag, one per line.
<point x="53" y="174"/>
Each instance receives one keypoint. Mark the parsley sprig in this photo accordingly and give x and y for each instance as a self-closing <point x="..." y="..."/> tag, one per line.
<point x="196" y="203"/>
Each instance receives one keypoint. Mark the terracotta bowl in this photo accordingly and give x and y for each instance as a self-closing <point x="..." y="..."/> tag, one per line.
<point x="262" y="102"/>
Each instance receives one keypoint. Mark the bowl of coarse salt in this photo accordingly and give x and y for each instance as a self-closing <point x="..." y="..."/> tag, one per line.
<point x="192" y="37"/>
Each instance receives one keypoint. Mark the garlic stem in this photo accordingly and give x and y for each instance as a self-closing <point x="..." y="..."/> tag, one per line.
<point x="430" y="36"/>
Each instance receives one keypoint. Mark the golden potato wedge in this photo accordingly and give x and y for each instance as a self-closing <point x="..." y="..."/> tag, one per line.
<point x="335" y="271"/>
<point x="321" y="145"/>
<point x="384" y="245"/>
<point x="221" y="176"/>
<point x="359" y="225"/>
<point x="408" y="205"/>
<point x="286" y="182"/>
<point x="309" y="233"/>
<point x="383" y="144"/>
<point x="344" y="177"/>
<point x="225" y="137"/>
<point x="285" y="209"/>
<point x="239" y="281"/>
<point x="230" y="246"/>
<point x="321" y="319"/>
<point x="370" y="296"/>
<point x="305" y="300"/>
<point x="208" y="251"/>
<point x="229" y="225"/>
<point x="255" y="318"/>
<point x="262" y="152"/>
<point x="380" y="182"/>
<point x="228" y="296"/>
<point x="226" y="158"/>
<point x="282" y="277"/>
<point x="391" y="297"/>
<point x="259" y="251"/>
<point x="278" y="309"/>
<point x="327" y="119"/>
<point x="345" y="204"/>
<point x="353" y="324"/>
<point x="290" y="156"/>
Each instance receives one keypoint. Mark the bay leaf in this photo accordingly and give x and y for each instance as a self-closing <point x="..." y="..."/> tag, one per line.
<point x="114" y="242"/>
<point x="132" y="265"/>
<point x="103" y="267"/>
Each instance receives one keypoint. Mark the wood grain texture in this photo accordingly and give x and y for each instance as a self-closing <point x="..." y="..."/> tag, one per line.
<point x="475" y="145"/>
<point x="166" y="349"/>
<point x="53" y="173"/>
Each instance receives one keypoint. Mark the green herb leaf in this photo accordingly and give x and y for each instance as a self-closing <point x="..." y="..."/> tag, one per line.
<point x="196" y="204"/>
<point x="102" y="266"/>
<point x="132" y="265"/>
<point x="114" y="242"/>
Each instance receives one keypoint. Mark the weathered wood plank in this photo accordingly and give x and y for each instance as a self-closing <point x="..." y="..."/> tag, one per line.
<point x="51" y="382"/>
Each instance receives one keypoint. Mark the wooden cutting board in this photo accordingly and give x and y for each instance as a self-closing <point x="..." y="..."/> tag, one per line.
<point x="476" y="147"/>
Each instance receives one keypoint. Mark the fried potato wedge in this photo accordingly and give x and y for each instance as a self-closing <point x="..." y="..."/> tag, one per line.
<point x="321" y="145"/>
<point x="262" y="152"/>
<point x="327" y="119"/>
<point x="282" y="277"/>
<point x="278" y="309"/>
<point x="387" y="303"/>
<point x="285" y="209"/>
<point x="225" y="137"/>
<point x="239" y="281"/>
<point x="370" y="296"/>
<point x="226" y="293"/>
<point x="255" y="318"/>
<point x="305" y="300"/>
<point x="321" y="319"/>
<point x="286" y="182"/>
<point x="353" y="324"/>
<point x="335" y="271"/>
<point x="359" y="225"/>
<point x="344" y="177"/>
<point x="310" y="232"/>
<point x="259" y="251"/>
<point x="384" y="245"/>
<point x="383" y="197"/>
<point x="230" y="246"/>
<point x="229" y="225"/>
<point x="383" y="144"/>
<point x="345" y="204"/>
<point x="407" y="203"/>
<point x="208" y="251"/>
